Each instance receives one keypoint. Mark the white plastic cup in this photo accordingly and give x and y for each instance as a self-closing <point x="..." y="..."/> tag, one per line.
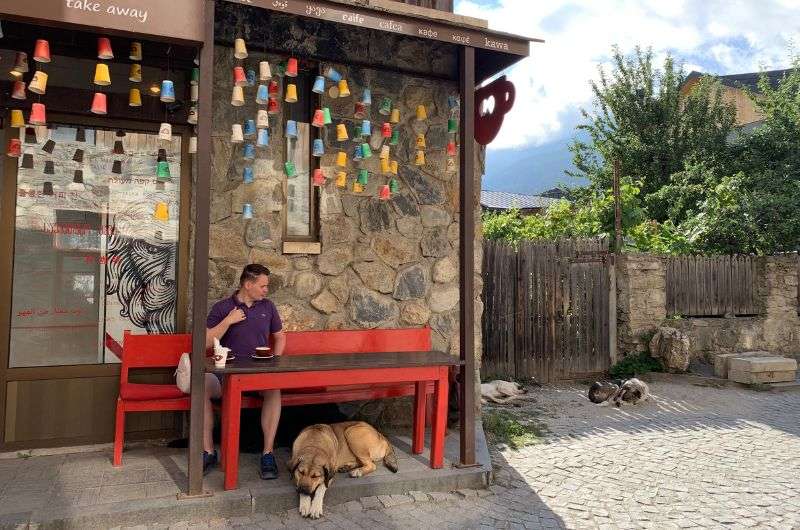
<point x="220" y="358"/>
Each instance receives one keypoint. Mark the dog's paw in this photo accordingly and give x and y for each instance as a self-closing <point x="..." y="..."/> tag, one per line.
<point x="305" y="505"/>
<point x="315" y="512"/>
<point x="356" y="472"/>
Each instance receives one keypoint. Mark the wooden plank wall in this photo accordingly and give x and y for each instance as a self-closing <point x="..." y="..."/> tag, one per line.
<point x="711" y="286"/>
<point x="546" y="309"/>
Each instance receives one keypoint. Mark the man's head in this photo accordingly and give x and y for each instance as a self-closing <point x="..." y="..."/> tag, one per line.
<point x="254" y="281"/>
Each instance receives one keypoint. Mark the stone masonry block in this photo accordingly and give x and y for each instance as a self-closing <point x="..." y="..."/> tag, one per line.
<point x="763" y="364"/>
<point x="722" y="361"/>
<point x="762" y="377"/>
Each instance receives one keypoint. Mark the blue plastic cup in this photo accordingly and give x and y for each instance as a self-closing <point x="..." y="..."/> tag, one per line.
<point x="332" y="74"/>
<point x="262" y="95"/>
<point x="291" y="129"/>
<point x="263" y="138"/>
<point x="247" y="211"/>
<point x="251" y="77"/>
<point x="366" y="128"/>
<point x="366" y="99"/>
<point x="248" y="175"/>
<point x="319" y="148"/>
<point x="250" y="128"/>
<point x="357" y="153"/>
<point x="167" y="90"/>
<point x="249" y="151"/>
<point x="319" y="85"/>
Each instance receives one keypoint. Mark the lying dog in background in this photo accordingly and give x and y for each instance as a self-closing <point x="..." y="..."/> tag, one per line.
<point x="321" y="450"/>
<point x="631" y="391"/>
<point x="499" y="391"/>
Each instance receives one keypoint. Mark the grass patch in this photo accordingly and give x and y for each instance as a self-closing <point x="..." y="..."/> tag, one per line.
<point x="503" y="427"/>
<point x="636" y="363"/>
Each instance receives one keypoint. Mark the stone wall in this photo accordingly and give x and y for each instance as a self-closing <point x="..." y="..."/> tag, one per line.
<point x="641" y="284"/>
<point x="383" y="264"/>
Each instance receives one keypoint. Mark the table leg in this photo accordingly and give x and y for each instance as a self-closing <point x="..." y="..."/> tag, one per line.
<point x="233" y="406"/>
<point x="223" y="423"/>
<point x="439" y="427"/>
<point x="418" y="434"/>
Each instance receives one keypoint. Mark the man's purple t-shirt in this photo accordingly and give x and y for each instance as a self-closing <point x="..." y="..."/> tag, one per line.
<point x="243" y="337"/>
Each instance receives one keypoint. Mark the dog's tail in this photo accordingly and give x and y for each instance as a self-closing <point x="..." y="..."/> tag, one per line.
<point x="390" y="459"/>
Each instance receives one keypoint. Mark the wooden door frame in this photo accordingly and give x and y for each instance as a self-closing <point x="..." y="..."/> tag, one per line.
<point x="7" y="238"/>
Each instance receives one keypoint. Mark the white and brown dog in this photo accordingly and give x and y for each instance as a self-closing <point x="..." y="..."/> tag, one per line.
<point x="320" y="450"/>
<point x="631" y="391"/>
<point x="501" y="392"/>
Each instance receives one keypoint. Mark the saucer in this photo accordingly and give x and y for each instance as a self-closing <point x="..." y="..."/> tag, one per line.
<point x="261" y="357"/>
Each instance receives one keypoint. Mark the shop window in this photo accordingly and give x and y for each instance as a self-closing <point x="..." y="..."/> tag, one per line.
<point x="95" y="244"/>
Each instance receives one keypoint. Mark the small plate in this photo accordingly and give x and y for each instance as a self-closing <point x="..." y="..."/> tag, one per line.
<point x="231" y="358"/>
<point x="261" y="357"/>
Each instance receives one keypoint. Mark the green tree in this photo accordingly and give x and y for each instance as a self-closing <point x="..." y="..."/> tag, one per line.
<point x="641" y="119"/>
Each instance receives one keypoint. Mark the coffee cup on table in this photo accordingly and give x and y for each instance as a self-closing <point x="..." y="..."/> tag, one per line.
<point x="220" y="354"/>
<point x="263" y="351"/>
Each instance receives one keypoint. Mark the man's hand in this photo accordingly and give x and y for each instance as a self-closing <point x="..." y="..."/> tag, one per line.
<point x="235" y="316"/>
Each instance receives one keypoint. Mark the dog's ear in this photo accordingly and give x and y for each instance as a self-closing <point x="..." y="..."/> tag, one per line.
<point x="329" y="474"/>
<point x="294" y="463"/>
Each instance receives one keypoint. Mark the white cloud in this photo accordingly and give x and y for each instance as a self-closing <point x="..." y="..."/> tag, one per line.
<point x="554" y="82"/>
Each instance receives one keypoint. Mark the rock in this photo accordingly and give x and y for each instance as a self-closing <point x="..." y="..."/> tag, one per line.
<point x="432" y="216"/>
<point x="335" y="259"/>
<point x="223" y="276"/>
<point x="335" y="229"/>
<point x="446" y="324"/>
<point x="329" y="202"/>
<point x="435" y="243"/>
<point x="672" y="347"/>
<point x="443" y="298"/>
<point x="452" y="232"/>
<point x="340" y="288"/>
<point x="337" y="321"/>
<point x="307" y="284"/>
<point x="298" y="318"/>
<point x="394" y="251"/>
<point x="375" y="275"/>
<point x="409" y="227"/>
<point x="257" y="234"/>
<point x="350" y="205"/>
<point x="371" y="310"/>
<point x="302" y="263"/>
<point x="415" y="312"/>
<point x="326" y="302"/>
<point x="226" y="243"/>
<point x="364" y="252"/>
<point x="404" y="204"/>
<point x="445" y="270"/>
<point x="410" y="283"/>
<point x="375" y="216"/>
<point x="220" y="206"/>
<point x="426" y="191"/>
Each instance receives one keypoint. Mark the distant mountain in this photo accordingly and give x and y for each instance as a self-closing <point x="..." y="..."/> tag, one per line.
<point x="530" y="169"/>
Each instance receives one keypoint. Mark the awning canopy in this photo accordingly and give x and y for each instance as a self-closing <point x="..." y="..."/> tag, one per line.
<point x="494" y="50"/>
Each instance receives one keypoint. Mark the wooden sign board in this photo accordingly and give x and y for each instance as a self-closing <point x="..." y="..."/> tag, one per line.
<point x="173" y="19"/>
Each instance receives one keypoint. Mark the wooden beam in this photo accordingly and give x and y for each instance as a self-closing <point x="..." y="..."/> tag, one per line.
<point x="202" y="194"/>
<point x="466" y="254"/>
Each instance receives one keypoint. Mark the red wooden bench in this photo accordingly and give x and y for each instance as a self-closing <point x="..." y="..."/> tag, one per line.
<point x="164" y="351"/>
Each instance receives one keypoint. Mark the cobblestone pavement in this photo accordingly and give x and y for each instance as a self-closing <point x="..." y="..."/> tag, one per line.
<point x="694" y="457"/>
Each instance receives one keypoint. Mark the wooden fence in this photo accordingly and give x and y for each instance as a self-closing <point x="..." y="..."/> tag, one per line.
<point x="700" y="286"/>
<point x="549" y="309"/>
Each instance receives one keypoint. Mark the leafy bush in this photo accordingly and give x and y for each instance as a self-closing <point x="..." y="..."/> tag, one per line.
<point x="503" y="427"/>
<point x="636" y="363"/>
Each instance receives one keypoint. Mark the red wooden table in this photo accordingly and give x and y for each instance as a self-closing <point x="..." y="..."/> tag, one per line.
<point x="326" y="370"/>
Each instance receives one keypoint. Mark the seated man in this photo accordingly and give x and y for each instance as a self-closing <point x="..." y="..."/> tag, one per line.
<point x="243" y="322"/>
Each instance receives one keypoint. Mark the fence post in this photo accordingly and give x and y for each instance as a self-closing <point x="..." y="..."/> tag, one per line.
<point x="612" y="308"/>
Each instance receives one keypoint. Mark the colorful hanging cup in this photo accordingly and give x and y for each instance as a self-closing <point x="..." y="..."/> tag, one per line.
<point x="239" y="49"/>
<point x="274" y="90"/>
<point x="394" y="186"/>
<point x="319" y="85"/>
<point x="18" y="90"/>
<point x="393" y="168"/>
<point x="395" y="117"/>
<point x="41" y="52"/>
<point x="249" y="151"/>
<point x="327" y="115"/>
<point x="386" y="107"/>
<point x="291" y="93"/>
<point x="384" y="165"/>
<point x="341" y="132"/>
<point x="273" y="107"/>
<point x="344" y="90"/>
<point x="366" y="128"/>
<point x="237" y="96"/>
<point x="14" y="148"/>
<point x="452" y="125"/>
<point x="384" y="154"/>
<point x="162" y="171"/>
<point x="250" y="127"/>
<point x="291" y="129"/>
<point x="341" y="179"/>
<point x="251" y="77"/>
<point x="363" y="177"/>
<point x="357" y="155"/>
<point x="289" y="169"/>
<point x="161" y="212"/>
<point x="167" y="91"/>
<point x="104" y="48"/>
<point x="366" y="151"/>
<point x="192" y="118"/>
<point x="385" y="194"/>
<point x="319" y="118"/>
<point x="239" y="77"/>
<point x="264" y="71"/>
<point x="247" y="175"/>
<point x="38" y="84"/>
<point x="194" y="93"/>
<point x="20" y="64"/>
<point x="341" y="159"/>
<point x="291" y="67"/>
<point x="451" y="149"/>
<point x="247" y="211"/>
<point x="419" y="159"/>
<point x="263" y="138"/>
<point x="318" y="178"/>
<point x="135" y="73"/>
<point x="237" y="136"/>
<point x="262" y="119"/>
<point x="360" y="111"/>
<point x="135" y="51"/>
<point x="102" y="77"/>
<point x="386" y="130"/>
<point x="38" y="115"/>
<point x="422" y="113"/>
<point x="420" y="141"/>
<point x="165" y="132"/>
<point x="395" y="137"/>
<point x="319" y="148"/>
<point x="262" y="95"/>
<point x="17" y="119"/>
<point x="366" y="97"/>
<point x="331" y="73"/>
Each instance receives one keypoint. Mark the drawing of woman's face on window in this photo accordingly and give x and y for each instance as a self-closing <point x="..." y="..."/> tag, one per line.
<point x="141" y="265"/>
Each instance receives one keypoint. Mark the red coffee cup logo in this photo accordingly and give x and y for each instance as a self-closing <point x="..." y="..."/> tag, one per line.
<point x="492" y="103"/>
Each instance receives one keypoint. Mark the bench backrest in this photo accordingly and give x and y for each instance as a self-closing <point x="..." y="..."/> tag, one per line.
<point x="152" y="351"/>
<point x="358" y="341"/>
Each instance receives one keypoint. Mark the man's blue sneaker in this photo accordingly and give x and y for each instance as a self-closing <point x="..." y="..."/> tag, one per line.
<point x="269" y="469"/>
<point x="209" y="461"/>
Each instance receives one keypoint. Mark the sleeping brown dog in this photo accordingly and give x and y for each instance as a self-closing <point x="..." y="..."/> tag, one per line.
<point x="320" y="450"/>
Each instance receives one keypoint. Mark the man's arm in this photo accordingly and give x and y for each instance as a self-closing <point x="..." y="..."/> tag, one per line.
<point x="236" y="315"/>
<point x="278" y="342"/>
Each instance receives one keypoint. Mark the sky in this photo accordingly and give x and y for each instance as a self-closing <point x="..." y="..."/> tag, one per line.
<point x="531" y="153"/>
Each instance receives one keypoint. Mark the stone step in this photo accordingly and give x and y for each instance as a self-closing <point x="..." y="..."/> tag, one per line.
<point x="722" y="361"/>
<point x="762" y="377"/>
<point x="762" y="364"/>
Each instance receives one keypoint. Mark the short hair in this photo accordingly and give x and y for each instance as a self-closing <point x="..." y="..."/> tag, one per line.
<point x="251" y="272"/>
